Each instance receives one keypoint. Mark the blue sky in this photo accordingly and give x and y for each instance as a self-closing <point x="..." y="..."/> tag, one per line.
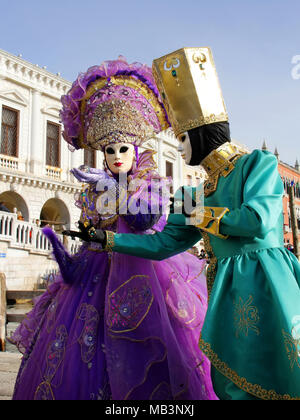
<point x="253" y="43"/>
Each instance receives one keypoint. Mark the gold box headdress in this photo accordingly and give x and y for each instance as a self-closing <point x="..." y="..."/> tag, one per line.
<point x="190" y="88"/>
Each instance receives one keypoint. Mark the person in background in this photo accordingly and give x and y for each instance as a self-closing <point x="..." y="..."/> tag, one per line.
<point x="4" y="208"/>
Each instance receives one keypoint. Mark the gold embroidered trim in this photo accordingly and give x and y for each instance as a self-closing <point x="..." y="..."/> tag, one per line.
<point x="180" y="128"/>
<point x="221" y="159"/>
<point x="213" y="264"/>
<point x="143" y="316"/>
<point x="89" y="335"/>
<point x="110" y="241"/>
<point x="220" y="162"/>
<point x="45" y="389"/>
<point x="253" y="389"/>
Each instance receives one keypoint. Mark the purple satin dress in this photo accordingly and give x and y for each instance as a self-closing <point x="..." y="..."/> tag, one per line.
<point x="116" y="327"/>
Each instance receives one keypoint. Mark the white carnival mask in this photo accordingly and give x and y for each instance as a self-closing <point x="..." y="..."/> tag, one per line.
<point x="119" y="157"/>
<point x="185" y="147"/>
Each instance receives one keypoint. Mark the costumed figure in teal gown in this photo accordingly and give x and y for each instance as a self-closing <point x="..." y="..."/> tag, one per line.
<point x="251" y="333"/>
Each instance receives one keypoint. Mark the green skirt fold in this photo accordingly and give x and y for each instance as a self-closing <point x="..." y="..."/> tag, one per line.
<point x="252" y="328"/>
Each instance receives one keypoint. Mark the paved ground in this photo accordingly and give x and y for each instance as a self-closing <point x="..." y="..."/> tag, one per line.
<point x="9" y="366"/>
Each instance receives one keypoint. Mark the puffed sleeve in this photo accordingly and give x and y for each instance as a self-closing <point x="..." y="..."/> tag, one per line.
<point x="262" y="198"/>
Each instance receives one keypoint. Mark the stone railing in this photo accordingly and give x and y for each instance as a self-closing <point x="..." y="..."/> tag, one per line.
<point x="9" y="162"/>
<point x="53" y="172"/>
<point x="27" y="236"/>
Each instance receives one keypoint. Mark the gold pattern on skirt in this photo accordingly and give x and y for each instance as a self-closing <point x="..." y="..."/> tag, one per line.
<point x="245" y="317"/>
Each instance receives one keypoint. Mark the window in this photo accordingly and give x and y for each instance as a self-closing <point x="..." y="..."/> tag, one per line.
<point x="9" y="132"/>
<point x="169" y="169"/>
<point x="90" y="158"/>
<point x="169" y="173"/>
<point x="53" y="145"/>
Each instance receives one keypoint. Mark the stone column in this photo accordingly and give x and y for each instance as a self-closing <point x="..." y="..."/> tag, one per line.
<point x="76" y="161"/>
<point x="76" y="158"/>
<point x="37" y="141"/>
<point x="178" y="181"/>
<point x="161" y="170"/>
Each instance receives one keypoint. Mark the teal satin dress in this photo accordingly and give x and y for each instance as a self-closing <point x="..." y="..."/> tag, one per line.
<point x="251" y="333"/>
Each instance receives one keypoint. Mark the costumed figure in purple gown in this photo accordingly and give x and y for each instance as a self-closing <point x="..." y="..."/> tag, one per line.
<point x="113" y="326"/>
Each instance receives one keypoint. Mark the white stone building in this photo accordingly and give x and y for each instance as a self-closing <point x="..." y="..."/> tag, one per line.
<point x="35" y="183"/>
<point x="36" y="186"/>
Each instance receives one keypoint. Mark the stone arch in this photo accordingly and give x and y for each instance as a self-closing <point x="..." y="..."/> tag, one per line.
<point x="55" y="213"/>
<point x="15" y="203"/>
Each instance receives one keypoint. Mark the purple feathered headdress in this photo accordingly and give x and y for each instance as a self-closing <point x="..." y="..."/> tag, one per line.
<point x="115" y="101"/>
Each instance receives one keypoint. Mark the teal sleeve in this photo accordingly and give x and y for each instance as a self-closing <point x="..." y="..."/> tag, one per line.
<point x="174" y="239"/>
<point x="262" y="198"/>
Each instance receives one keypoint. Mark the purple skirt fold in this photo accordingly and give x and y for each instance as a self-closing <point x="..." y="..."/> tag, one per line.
<point x="120" y="328"/>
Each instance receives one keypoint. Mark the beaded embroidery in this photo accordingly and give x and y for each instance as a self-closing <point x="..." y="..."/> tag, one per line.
<point x="54" y="358"/>
<point x="88" y="336"/>
<point x="129" y="304"/>
<point x="117" y="121"/>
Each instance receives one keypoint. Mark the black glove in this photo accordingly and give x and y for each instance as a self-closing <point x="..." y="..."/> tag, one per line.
<point x="87" y="234"/>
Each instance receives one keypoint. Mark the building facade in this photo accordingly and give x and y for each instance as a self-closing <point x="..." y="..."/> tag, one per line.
<point x="35" y="183"/>
<point x="290" y="177"/>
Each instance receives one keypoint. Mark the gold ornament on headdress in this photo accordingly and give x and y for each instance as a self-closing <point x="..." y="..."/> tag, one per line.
<point x="96" y="134"/>
<point x="115" y="122"/>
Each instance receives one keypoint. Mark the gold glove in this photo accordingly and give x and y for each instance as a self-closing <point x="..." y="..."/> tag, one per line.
<point x="208" y="219"/>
